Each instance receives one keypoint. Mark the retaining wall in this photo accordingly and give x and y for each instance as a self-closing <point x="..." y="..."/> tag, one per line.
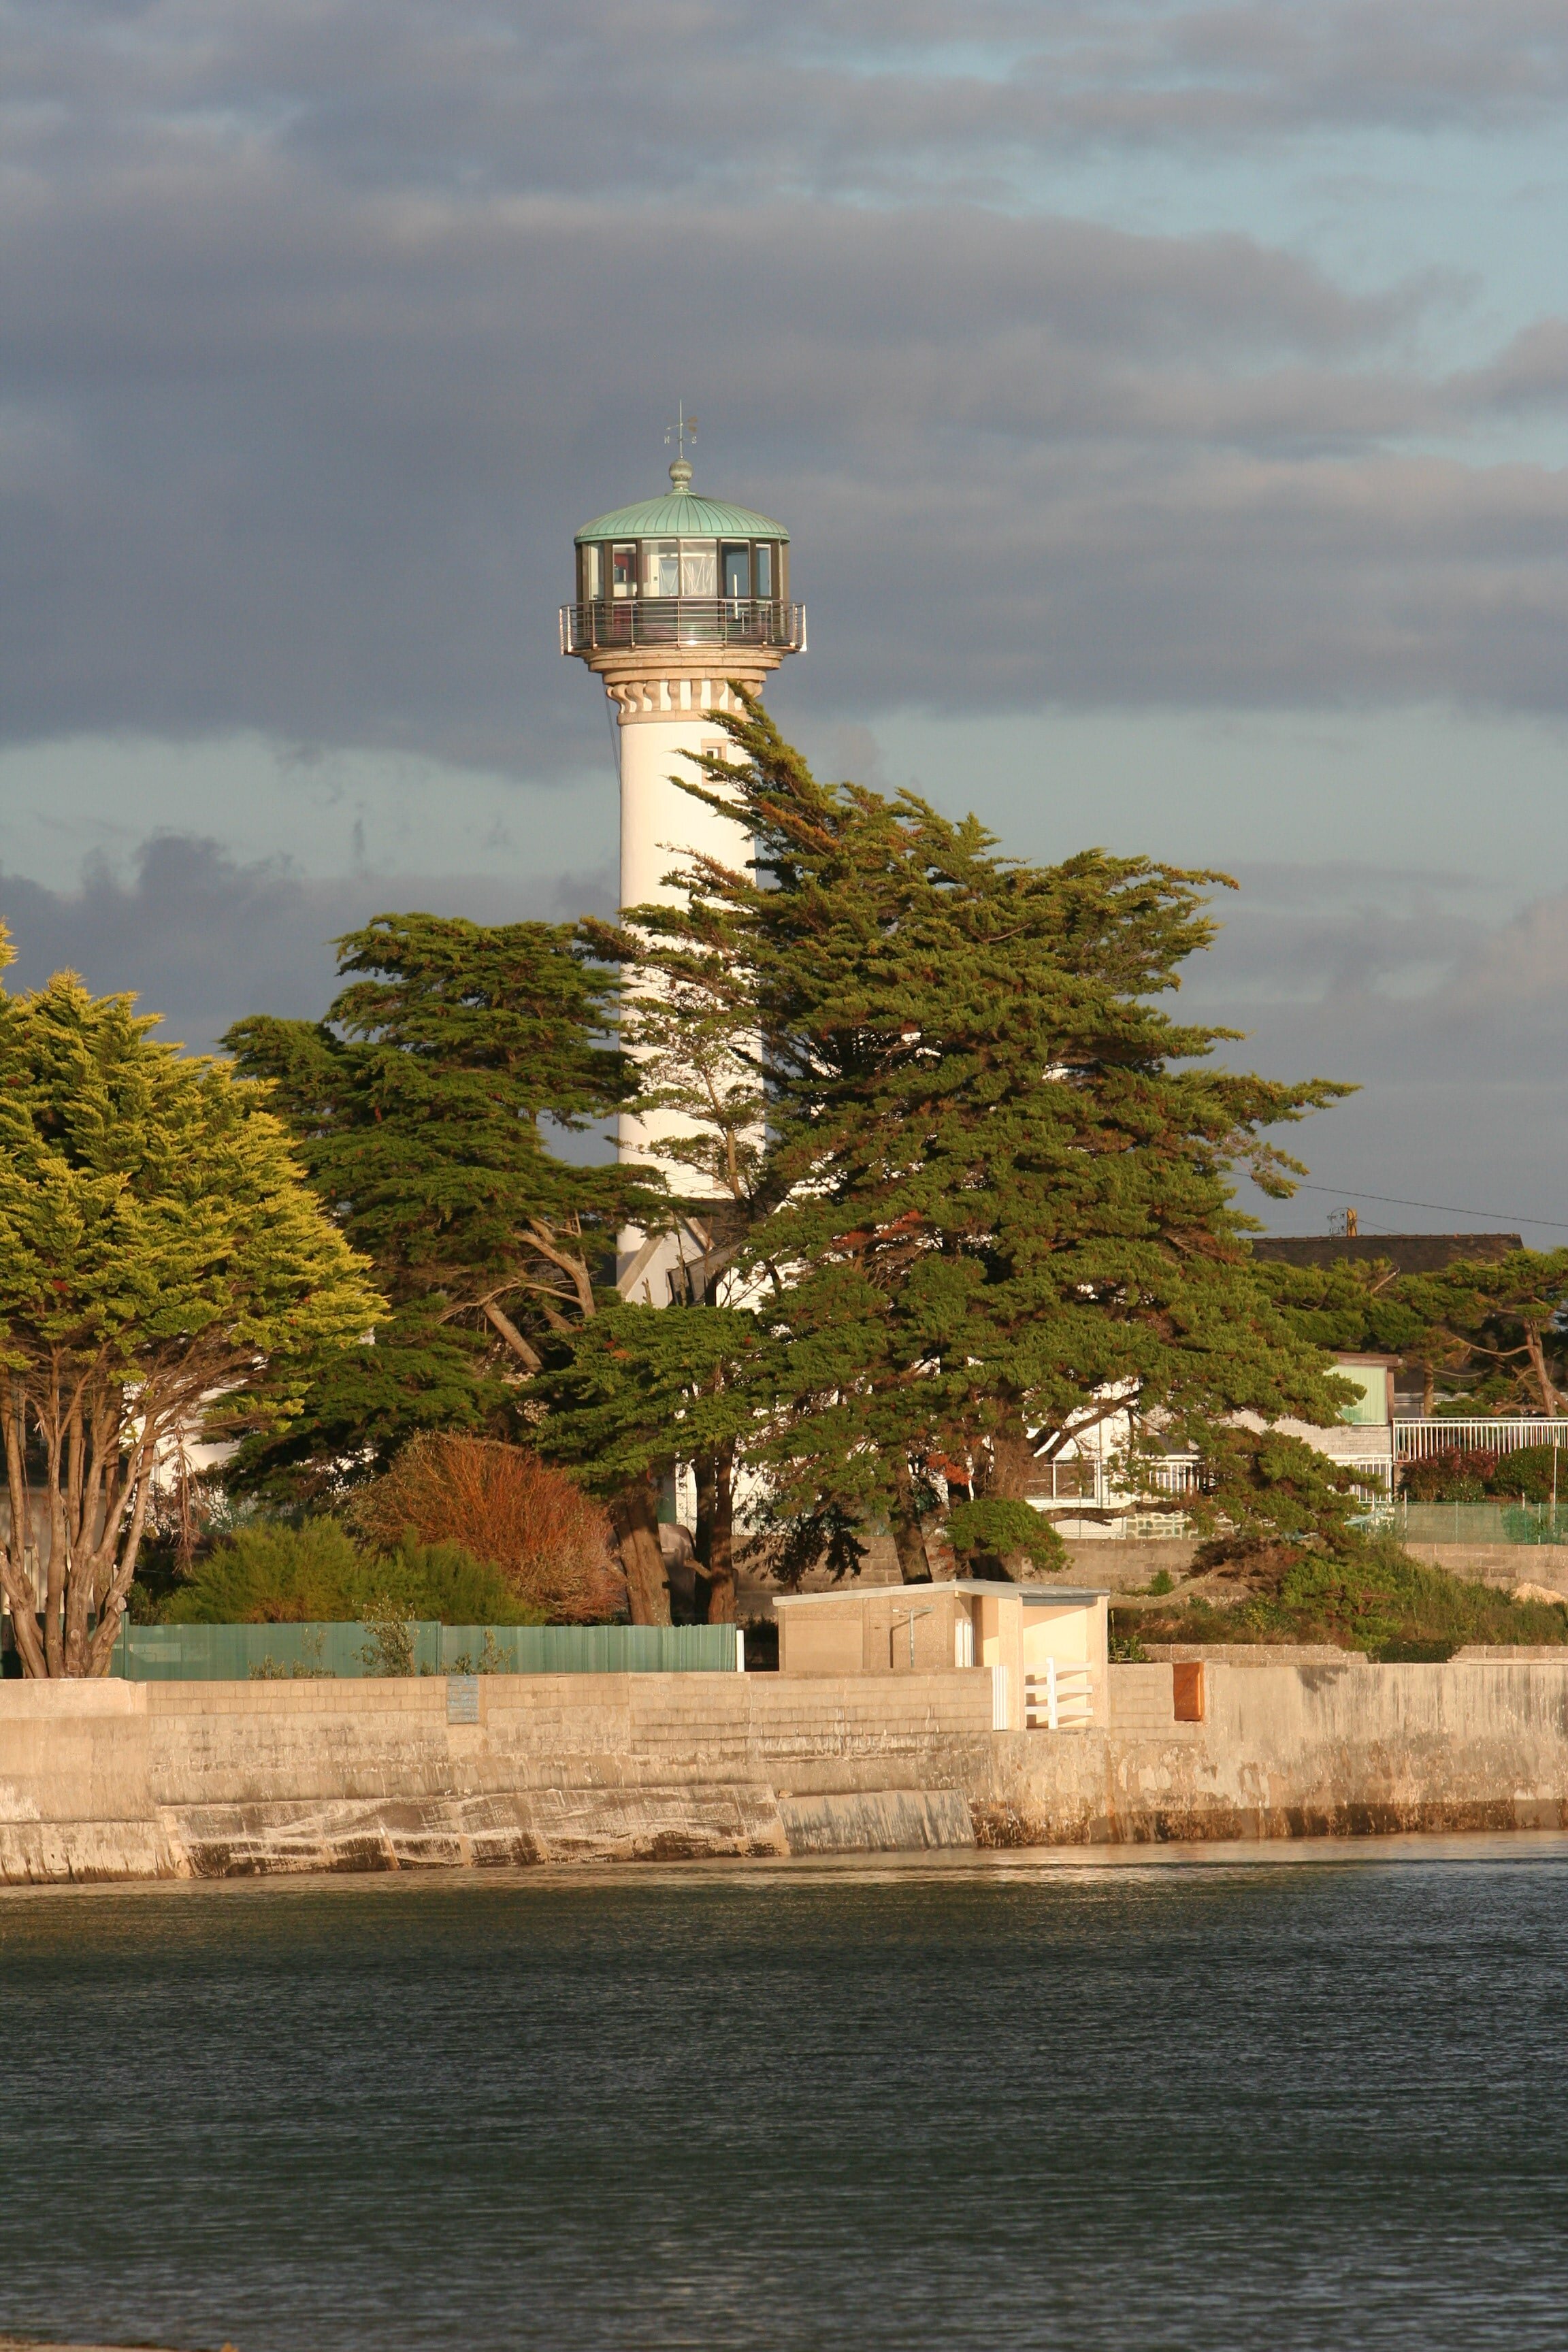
<point x="147" y="1779"/>
<point x="115" y="1780"/>
<point x="1297" y="1750"/>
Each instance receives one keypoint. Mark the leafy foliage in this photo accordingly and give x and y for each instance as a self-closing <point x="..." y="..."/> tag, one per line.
<point x="1494" y="1327"/>
<point x="271" y="1573"/>
<point x="165" y="1277"/>
<point x="1260" y="1487"/>
<point x="983" y="1533"/>
<point x="419" y="1105"/>
<point x="550" y="1540"/>
<point x="989" y="1208"/>
<point x="1372" y="1597"/>
<point x="641" y="1388"/>
<point x="1454" y="1473"/>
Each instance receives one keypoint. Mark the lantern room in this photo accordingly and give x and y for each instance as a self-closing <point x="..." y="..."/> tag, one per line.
<point x="682" y="570"/>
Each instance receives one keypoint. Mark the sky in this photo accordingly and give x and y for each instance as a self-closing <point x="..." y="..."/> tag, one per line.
<point x="1168" y="401"/>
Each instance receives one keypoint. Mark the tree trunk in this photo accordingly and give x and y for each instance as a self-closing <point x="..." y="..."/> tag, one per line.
<point x="715" y="1531"/>
<point x="634" y="1514"/>
<point x="17" y="1577"/>
<point x="1551" y="1404"/>
<point x="1012" y="1461"/>
<point x="909" y="1541"/>
<point x="1007" y="1472"/>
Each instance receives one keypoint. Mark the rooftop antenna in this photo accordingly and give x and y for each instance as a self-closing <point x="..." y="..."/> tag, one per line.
<point x="683" y="430"/>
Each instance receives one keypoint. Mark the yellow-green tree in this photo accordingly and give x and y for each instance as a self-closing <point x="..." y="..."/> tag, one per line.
<point x="163" y="1269"/>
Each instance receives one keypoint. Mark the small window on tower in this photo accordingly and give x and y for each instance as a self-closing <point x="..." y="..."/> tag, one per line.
<point x="764" y="570"/>
<point x="623" y="570"/>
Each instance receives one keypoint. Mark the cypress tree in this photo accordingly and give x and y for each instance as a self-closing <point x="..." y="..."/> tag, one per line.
<point x="420" y="1104"/>
<point x="991" y="1209"/>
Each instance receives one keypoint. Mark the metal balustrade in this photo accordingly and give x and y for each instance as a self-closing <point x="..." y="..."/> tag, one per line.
<point x="605" y="627"/>
<point x="1414" y="1440"/>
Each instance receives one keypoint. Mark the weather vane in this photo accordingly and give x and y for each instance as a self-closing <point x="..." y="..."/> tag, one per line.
<point x="683" y="430"/>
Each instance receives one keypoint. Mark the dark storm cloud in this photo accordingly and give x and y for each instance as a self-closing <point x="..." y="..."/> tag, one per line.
<point x="202" y="940"/>
<point x="1416" y="960"/>
<point x="666" y="96"/>
<point x="1448" y="1020"/>
<point x="326" y="324"/>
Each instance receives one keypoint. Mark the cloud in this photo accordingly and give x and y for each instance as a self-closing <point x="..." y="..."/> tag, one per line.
<point x="1451" y="1023"/>
<point x="328" y="323"/>
<point x="618" y="95"/>
<point x="202" y="940"/>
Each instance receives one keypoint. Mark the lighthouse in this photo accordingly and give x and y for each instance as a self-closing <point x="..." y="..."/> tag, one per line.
<point x="678" y="599"/>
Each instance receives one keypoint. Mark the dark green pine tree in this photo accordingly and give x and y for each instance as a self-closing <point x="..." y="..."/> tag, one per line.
<point x="992" y="1207"/>
<point x="641" y="1389"/>
<point x="1493" y="1326"/>
<point x="421" y="1106"/>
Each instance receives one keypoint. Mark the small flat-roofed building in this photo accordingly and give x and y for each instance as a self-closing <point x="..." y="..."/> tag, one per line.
<point x="1045" y="1645"/>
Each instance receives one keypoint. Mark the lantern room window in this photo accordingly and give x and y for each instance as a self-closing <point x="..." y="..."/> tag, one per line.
<point x="737" y="567"/>
<point x="764" y="588"/>
<point x="699" y="568"/>
<point x="623" y="570"/>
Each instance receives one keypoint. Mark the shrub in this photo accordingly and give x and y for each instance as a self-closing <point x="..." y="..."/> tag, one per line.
<point x="1534" y="1472"/>
<point x="1458" y="1474"/>
<point x="1454" y="1473"/>
<point x="1373" y="1598"/>
<point x="548" y="1539"/>
<point x="270" y="1574"/>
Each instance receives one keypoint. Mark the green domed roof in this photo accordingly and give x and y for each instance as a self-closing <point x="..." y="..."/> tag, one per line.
<point x="681" y="514"/>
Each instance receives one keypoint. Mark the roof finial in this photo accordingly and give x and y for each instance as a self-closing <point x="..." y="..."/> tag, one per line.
<point x="683" y="430"/>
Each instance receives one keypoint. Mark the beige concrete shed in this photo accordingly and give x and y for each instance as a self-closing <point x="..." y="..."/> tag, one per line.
<point x="1045" y="1645"/>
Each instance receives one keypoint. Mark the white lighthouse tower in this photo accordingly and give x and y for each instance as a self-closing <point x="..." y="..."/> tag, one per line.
<point x="676" y="598"/>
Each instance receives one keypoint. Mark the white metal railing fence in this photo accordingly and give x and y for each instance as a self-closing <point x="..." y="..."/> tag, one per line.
<point x="1058" y="1698"/>
<point x="1414" y="1440"/>
<point x="1179" y="1476"/>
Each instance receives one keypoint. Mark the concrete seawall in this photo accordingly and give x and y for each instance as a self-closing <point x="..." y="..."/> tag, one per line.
<point x="1294" y="1751"/>
<point x="106" y="1780"/>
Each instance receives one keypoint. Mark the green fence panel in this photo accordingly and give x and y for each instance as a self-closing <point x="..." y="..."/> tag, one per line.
<point x="291" y="1652"/>
<point x="592" y="1649"/>
<point x="1499" y="1522"/>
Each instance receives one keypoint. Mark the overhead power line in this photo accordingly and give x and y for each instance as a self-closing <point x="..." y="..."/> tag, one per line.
<point x="1443" y="1208"/>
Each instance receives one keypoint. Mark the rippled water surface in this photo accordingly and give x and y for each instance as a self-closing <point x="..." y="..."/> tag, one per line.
<point x="1221" y="2099"/>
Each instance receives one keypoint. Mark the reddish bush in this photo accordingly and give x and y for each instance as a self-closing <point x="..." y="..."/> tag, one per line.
<point x="1454" y="1473"/>
<point x="550" y="1540"/>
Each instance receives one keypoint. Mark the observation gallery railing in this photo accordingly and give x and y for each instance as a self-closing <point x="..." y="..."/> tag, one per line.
<point x="682" y="621"/>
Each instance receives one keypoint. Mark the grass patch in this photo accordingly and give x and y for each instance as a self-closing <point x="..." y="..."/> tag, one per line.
<point x="1375" y="1598"/>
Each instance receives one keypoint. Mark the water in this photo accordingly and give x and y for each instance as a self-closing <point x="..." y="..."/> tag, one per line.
<point x="1220" y="2099"/>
